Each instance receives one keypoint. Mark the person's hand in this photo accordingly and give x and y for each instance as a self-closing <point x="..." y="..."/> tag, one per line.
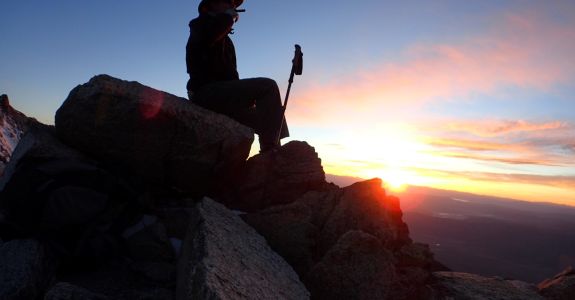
<point x="233" y="13"/>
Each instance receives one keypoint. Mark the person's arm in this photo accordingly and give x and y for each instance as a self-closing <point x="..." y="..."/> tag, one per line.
<point x="216" y="28"/>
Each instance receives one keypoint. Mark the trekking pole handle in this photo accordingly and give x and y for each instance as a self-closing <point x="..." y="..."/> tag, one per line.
<point x="296" y="69"/>
<point x="297" y="62"/>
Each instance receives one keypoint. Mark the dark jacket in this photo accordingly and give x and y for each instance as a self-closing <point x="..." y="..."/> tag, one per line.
<point x="210" y="53"/>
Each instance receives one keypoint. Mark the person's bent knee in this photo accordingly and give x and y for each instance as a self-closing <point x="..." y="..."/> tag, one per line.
<point x="267" y="82"/>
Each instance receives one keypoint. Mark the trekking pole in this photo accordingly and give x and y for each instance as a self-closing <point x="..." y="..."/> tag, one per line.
<point x="296" y="69"/>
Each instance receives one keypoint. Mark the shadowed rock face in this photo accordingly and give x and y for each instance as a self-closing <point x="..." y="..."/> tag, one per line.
<point x="293" y="230"/>
<point x="26" y="269"/>
<point x="356" y="267"/>
<point x="364" y="206"/>
<point x="157" y="136"/>
<point x="560" y="287"/>
<point x="224" y="258"/>
<point x="64" y="290"/>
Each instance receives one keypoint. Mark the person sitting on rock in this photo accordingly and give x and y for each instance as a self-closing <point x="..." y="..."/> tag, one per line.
<point x="214" y="81"/>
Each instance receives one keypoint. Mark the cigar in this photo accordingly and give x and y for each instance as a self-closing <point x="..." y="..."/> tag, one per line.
<point x="240" y="10"/>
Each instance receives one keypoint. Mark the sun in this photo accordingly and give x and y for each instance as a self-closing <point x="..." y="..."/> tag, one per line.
<point x="391" y="152"/>
<point x="396" y="185"/>
<point x="396" y="180"/>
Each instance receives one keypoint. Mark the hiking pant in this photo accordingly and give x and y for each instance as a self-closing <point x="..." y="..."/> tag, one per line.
<point x="254" y="102"/>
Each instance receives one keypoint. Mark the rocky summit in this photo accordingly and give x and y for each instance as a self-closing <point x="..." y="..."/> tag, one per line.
<point x="139" y="194"/>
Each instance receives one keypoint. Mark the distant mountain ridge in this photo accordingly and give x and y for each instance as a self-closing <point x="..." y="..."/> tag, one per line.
<point x="492" y="236"/>
<point x="342" y="180"/>
<point x="488" y="235"/>
<point x="12" y="125"/>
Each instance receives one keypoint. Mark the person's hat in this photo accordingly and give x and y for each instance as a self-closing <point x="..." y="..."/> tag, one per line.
<point x="203" y="4"/>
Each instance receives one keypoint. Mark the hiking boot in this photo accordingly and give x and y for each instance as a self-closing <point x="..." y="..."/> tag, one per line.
<point x="268" y="141"/>
<point x="269" y="148"/>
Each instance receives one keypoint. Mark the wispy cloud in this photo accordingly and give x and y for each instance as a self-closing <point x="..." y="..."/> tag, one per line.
<point x="524" y="50"/>
<point x="567" y="182"/>
<point x="555" y="181"/>
<point x="474" y="145"/>
<point x="526" y="150"/>
<point x="492" y="128"/>
<point x="542" y="161"/>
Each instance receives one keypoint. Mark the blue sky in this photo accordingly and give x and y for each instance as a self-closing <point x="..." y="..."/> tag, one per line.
<point x="51" y="46"/>
<point x="480" y="94"/>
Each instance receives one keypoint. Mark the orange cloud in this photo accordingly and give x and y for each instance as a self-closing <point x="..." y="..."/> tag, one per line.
<point x="555" y="181"/>
<point x="527" y="151"/>
<point x="566" y="182"/>
<point x="475" y="145"/>
<point x="542" y="161"/>
<point x="523" y="50"/>
<point x="492" y="128"/>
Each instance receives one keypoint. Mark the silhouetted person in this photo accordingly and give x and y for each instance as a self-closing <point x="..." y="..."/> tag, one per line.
<point x="214" y="81"/>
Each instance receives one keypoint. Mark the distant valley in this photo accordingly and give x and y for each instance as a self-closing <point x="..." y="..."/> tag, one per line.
<point x="487" y="235"/>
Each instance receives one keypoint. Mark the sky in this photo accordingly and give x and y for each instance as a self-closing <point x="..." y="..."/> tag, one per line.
<point x="473" y="96"/>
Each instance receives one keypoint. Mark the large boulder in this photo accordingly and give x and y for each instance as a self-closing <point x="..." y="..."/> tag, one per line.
<point x="26" y="269"/>
<point x="356" y="267"/>
<point x="280" y="177"/>
<point x="364" y="206"/>
<point x="455" y="285"/>
<point x="223" y="258"/>
<point x="560" y="287"/>
<point x="155" y="135"/>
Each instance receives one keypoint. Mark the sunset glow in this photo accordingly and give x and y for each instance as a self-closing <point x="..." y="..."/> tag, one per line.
<point x="473" y="96"/>
<point x="480" y="114"/>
